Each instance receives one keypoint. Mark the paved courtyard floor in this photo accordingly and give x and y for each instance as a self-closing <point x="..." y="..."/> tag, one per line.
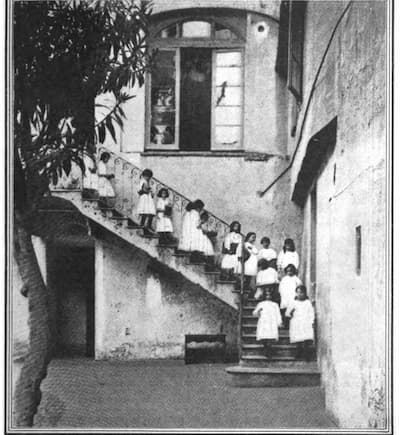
<point x="168" y="394"/>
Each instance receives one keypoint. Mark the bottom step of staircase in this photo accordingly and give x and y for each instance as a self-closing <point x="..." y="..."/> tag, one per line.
<point x="275" y="375"/>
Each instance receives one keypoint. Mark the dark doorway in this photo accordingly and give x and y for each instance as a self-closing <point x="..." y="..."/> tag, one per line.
<point x="71" y="277"/>
<point x="313" y="242"/>
<point x="195" y="105"/>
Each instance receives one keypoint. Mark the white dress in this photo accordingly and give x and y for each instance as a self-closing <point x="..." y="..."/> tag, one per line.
<point x="231" y="261"/>
<point x="286" y="258"/>
<point x="163" y="223"/>
<point x="267" y="254"/>
<point x="196" y="236"/>
<point x="287" y="289"/>
<point x="251" y="265"/>
<point x="146" y="201"/>
<point x="267" y="276"/>
<point x="186" y="230"/>
<point x="105" y="187"/>
<point x="269" y="320"/>
<point x="205" y="242"/>
<point x="301" y="328"/>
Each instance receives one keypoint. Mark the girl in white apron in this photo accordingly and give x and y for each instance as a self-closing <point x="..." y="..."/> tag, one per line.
<point x="164" y="223"/>
<point x="232" y="252"/>
<point x="146" y="208"/>
<point x="251" y="262"/>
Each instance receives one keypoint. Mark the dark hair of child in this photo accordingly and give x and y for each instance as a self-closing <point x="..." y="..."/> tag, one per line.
<point x="161" y="191"/>
<point x="266" y="241"/>
<point x="105" y="155"/>
<point x="248" y="236"/>
<point x="290" y="266"/>
<point x="147" y="173"/>
<point x="272" y="263"/>
<point x="263" y="264"/>
<point x="289" y="245"/>
<point x="204" y="216"/>
<point x="189" y="206"/>
<point x="232" y="227"/>
<point x="198" y="204"/>
<point x="302" y="288"/>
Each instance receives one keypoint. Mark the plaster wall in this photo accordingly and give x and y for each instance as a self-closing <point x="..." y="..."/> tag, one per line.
<point x="228" y="185"/>
<point x="144" y="311"/>
<point x="351" y="192"/>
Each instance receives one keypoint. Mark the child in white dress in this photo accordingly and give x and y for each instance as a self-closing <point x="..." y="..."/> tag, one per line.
<point x="267" y="277"/>
<point x="186" y="229"/>
<point x="192" y="234"/>
<point x="301" y="331"/>
<point x="287" y="256"/>
<point x="106" y="190"/>
<point x="266" y="252"/>
<point x="146" y="208"/>
<point x="232" y="252"/>
<point x="251" y="262"/>
<point x="269" y="320"/>
<point x="287" y="288"/>
<point x="206" y="244"/>
<point x="164" y="223"/>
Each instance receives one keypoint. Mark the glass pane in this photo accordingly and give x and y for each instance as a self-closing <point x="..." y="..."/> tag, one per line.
<point x="196" y="29"/>
<point x="228" y="96"/>
<point x="163" y="99"/>
<point x="231" y="75"/>
<point x="227" y="135"/>
<point x="169" y="32"/>
<point x="229" y="58"/>
<point x="228" y="116"/>
<point x="222" y="32"/>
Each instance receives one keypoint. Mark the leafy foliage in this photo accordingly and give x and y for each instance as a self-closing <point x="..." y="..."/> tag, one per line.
<point x="66" y="53"/>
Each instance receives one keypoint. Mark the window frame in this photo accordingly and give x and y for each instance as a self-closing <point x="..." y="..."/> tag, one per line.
<point x="175" y="44"/>
<point x="297" y="8"/>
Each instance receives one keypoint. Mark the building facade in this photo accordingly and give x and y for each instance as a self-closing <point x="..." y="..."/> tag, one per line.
<point x="274" y="114"/>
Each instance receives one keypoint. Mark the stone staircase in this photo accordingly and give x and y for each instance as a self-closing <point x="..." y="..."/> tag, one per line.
<point x="282" y="368"/>
<point x="126" y="228"/>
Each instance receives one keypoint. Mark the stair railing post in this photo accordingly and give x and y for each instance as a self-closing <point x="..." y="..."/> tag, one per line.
<point x="241" y="295"/>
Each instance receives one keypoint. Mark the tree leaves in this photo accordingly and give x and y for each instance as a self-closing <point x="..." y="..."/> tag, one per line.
<point x="65" y="54"/>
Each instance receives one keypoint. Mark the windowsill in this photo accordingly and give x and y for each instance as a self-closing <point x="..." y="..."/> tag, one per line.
<point x="247" y="155"/>
<point x="177" y="153"/>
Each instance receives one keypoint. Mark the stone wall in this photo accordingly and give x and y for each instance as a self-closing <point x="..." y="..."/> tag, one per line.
<point x="351" y="192"/>
<point x="144" y="311"/>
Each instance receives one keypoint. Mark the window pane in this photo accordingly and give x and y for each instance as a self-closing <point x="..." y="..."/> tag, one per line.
<point x="228" y="116"/>
<point x="222" y="32"/>
<point x="230" y="58"/>
<point x="169" y="32"/>
<point x="227" y="135"/>
<point x="231" y="75"/>
<point x="228" y="96"/>
<point x="196" y="29"/>
<point x="163" y="99"/>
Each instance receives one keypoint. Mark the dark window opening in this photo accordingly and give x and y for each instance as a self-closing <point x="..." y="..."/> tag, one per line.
<point x="282" y="56"/>
<point x="358" y="250"/>
<point x="195" y="104"/>
<point x="295" y="48"/>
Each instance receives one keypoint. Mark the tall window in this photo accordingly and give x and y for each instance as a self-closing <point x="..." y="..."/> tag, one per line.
<point x="196" y="88"/>
<point x="295" y="48"/>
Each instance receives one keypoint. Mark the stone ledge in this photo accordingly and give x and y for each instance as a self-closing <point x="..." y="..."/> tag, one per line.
<point x="248" y="156"/>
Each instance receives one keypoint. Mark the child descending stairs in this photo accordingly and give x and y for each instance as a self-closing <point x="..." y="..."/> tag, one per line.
<point x="281" y="368"/>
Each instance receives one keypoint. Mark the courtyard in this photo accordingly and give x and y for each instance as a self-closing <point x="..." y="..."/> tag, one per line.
<point x="168" y="394"/>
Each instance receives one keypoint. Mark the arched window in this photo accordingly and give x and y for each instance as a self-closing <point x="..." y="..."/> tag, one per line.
<point x="195" y="91"/>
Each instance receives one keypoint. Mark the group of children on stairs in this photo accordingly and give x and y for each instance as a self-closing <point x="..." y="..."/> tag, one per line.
<point x="280" y="291"/>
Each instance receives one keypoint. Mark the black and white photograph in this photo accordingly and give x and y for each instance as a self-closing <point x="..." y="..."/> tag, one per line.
<point x="198" y="216"/>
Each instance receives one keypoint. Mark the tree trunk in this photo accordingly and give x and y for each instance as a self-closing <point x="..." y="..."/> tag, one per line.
<point x="27" y="393"/>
